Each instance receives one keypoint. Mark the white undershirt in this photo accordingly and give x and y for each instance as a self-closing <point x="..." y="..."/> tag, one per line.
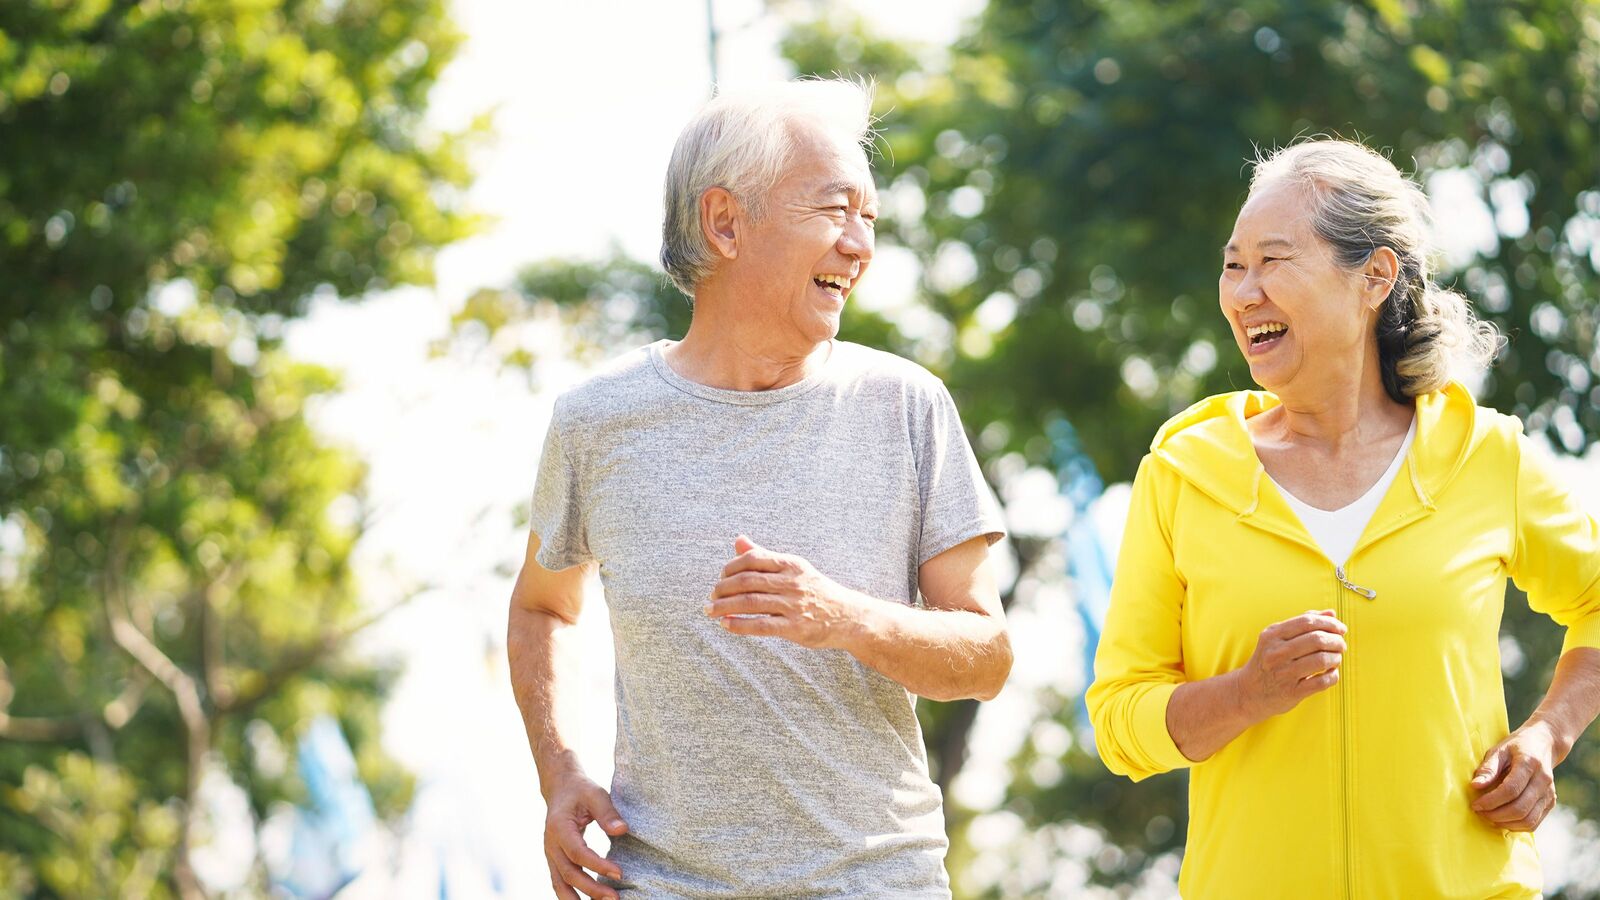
<point x="1336" y="531"/>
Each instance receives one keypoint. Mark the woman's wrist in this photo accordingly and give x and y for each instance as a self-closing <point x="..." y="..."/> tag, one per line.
<point x="1555" y="731"/>
<point x="1245" y="709"/>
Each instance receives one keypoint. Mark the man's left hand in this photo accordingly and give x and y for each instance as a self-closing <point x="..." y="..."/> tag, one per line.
<point x="780" y="595"/>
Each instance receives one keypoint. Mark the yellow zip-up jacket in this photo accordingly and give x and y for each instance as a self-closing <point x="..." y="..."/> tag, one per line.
<point x="1361" y="791"/>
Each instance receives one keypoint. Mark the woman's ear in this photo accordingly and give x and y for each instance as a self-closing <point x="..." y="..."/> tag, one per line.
<point x="720" y="221"/>
<point x="1381" y="273"/>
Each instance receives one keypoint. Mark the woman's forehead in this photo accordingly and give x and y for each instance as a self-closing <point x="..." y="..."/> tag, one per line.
<point x="1277" y="211"/>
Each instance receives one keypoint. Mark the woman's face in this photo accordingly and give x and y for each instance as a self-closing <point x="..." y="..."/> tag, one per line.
<point x="1300" y="320"/>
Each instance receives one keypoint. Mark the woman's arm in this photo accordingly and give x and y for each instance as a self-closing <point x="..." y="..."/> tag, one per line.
<point x="1293" y="659"/>
<point x="1517" y="776"/>
<point x="1138" y="665"/>
<point x="1556" y="560"/>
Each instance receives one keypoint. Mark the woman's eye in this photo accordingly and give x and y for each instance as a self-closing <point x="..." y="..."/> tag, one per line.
<point x="1232" y="265"/>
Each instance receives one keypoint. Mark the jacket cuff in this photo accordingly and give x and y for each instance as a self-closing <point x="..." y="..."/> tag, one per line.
<point x="1585" y="632"/>
<point x="1150" y="730"/>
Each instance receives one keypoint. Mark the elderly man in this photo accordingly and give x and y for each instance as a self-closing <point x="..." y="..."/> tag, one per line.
<point x="764" y="504"/>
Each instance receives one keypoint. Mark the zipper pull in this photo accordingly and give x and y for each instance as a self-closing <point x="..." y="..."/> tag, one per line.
<point x="1368" y="593"/>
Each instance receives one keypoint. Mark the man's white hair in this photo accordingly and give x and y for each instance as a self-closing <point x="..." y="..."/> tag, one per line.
<point x="742" y="142"/>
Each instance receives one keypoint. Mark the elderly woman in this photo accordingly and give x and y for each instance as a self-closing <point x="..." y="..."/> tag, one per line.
<point x="1307" y="604"/>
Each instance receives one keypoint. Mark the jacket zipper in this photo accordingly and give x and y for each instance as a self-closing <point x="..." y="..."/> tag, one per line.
<point x="1345" y="691"/>
<point x="1369" y="593"/>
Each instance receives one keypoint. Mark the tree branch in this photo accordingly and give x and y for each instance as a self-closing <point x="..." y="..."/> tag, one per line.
<point x="184" y="689"/>
<point x="56" y="729"/>
<point x="212" y="645"/>
<point x="296" y="661"/>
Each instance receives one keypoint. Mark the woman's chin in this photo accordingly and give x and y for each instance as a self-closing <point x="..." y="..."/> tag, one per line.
<point x="1269" y="376"/>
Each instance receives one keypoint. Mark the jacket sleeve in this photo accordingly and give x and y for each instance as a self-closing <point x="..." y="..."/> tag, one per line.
<point x="1139" y="662"/>
<point x="1556" y="559"/>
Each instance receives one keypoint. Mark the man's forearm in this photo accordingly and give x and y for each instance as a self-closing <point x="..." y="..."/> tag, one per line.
<point x="530" y="651"/>
<point x="935" y="653"/>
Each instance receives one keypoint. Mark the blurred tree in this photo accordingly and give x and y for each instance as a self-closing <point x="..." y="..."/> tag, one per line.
<point x="178" y="180"/>
<point x="1067" y="172"/>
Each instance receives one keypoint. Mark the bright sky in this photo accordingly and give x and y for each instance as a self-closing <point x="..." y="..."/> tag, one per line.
<point x="590" y="98"/>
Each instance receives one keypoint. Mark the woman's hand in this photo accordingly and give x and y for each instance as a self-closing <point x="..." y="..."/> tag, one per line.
<point x="1517" y="779"/>
<point x="1294" y="659"/>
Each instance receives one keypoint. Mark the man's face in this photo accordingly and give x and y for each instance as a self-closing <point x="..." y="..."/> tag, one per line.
<point x="813" y="244"/>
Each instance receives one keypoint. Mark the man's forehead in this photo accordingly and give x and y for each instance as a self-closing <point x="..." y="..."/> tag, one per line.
<point x="843" y="173"/>
<point x="846" y="183"/>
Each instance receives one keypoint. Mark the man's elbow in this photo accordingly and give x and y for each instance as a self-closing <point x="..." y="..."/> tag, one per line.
<point x="1001" y="670"/>
<point x="989" y="679"/>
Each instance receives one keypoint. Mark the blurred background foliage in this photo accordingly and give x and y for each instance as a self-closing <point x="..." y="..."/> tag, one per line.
<point x="1066" y="173"/>
<point x="179" y="179"/>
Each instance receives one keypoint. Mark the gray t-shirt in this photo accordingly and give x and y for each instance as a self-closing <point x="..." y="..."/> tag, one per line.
<point x="753" y="766"/>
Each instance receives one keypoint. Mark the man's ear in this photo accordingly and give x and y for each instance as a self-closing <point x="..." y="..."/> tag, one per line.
<point x="721" y="219"/>
<point x="1381" y="272"/>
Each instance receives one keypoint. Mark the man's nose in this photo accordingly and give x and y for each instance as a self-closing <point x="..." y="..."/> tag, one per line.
<point x="857" y="239"/>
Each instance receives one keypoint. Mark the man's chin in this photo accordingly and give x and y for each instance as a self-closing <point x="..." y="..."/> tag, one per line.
<point x="819" y="325"/>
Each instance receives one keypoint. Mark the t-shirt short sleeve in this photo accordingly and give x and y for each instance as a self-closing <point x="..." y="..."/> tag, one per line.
<point x="558" y="506"/>
<point x="957" y="504"/>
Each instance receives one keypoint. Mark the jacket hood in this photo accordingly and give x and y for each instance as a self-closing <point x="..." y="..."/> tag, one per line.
<point x="1209" y="445"/>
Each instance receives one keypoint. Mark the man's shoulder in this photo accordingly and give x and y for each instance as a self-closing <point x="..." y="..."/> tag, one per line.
<point x="619" y="383"/>
<point x="879" y="368"/>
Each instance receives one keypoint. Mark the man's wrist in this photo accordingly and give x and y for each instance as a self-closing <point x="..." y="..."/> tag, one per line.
<point x="857" y="620"/>
<point x="555" y="766"/>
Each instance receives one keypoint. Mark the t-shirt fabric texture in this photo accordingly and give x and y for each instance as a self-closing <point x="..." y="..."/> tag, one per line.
<point x="752" y="766"/>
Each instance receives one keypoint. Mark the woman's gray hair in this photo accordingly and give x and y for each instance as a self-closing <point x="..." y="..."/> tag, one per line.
<point x="1427" y="334"/>
<point x="743" y="142"/>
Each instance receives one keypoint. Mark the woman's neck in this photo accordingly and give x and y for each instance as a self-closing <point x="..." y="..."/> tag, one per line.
<point x="1335" y="414"/>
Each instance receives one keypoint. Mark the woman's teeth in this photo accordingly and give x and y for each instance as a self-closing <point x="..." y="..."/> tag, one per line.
<point x="1260" y="334"/>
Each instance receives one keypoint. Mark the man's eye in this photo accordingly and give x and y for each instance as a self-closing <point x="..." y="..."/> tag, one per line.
<point x="1232" y="265"/>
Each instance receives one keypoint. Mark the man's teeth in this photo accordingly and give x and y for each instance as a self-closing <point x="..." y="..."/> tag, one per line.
<point x="1256" y="331"/>
<point x="834" y="281"/>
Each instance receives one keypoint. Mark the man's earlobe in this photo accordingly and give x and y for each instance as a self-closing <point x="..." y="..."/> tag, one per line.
<point x="720" y="221"/>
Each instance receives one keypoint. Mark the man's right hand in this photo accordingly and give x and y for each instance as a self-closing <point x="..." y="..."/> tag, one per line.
<point x="572" y="802"/>
<point x="1294" y="659"/>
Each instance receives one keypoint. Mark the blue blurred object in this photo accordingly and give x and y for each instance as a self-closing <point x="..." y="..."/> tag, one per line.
<point x="330" y="833"/>
<point x="1087" y="562"/>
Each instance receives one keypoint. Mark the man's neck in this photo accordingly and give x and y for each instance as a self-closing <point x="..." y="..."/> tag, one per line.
<point x="723" y="353"/>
